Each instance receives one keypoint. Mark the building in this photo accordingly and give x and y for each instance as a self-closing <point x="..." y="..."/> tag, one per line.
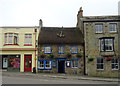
<point x="101" y="44"/>
<point x="60" y="50"/>
<point x="18" y="50"/>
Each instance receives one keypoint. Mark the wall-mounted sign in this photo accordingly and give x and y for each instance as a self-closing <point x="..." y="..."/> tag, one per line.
<point x="68" y="63"/>
<point x="54" y="64"/>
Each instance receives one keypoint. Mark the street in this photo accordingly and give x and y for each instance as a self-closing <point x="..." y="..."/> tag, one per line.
<point x="47" y="80"/>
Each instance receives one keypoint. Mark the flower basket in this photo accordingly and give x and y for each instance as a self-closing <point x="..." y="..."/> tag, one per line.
<point x="51" y="55"/>
<point x="42" y="55"/>
<point x="79" y="55"/>
<point x="68" y="55"/>
<point x="90" y="59"/>
<point x="109" y="58"/>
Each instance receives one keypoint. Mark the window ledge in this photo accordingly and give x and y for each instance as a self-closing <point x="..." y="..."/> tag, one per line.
<point x="11" y="44"/>
<point x="107" y="53"/>
<point x="27" y="44"/>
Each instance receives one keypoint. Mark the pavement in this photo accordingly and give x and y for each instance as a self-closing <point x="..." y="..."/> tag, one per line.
<point x="56" y="75"/>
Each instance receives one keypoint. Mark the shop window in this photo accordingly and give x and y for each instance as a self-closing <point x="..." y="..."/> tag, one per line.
<point x="74" y="63"/>
<point x="28" y="40"/>
<point x="61" y="49"/>
<point x="100" y="63"/>
<point x="11" y="38"/>
<point x="115" y="64"/>
<point x="47" y="49"/>
<point x="74" y="49"/>
<point x="44" y="64"/>
<point x="14" y="62"/>
<point x="113" y="27"/>
<point x="98" y="28"/>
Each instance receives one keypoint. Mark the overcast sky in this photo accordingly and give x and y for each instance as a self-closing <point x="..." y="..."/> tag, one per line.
<point x="56" y="13"/>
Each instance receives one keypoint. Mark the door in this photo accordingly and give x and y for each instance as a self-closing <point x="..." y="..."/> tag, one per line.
<point x="61" y="66"/>
<point x="5" y="63"/>
<point x="27" y="62"/>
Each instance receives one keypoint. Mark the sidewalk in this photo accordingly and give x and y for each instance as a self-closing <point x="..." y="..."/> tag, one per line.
<point x="61" y="76"/>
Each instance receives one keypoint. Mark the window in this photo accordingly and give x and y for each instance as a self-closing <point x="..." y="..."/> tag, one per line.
<point x="115" y="64"/>
<point x="100" y="63"/>
<point x="113" y="27"/>
<point x="44" y="64"/>
<point x="47" y="49"/>
<point x="47" y="64"/>
<point x="41" y="64"/>
<point x="28" y="39"/>
<point x="11" y="38"/>
<point x="74" y="49"/>
<point x="74" y="63"/>
<point x="106" y="44"/>
<point x="98" y="28"/>
<point x="61" y="49"/>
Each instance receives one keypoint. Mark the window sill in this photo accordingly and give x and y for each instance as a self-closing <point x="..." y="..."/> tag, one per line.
<point x="11" y="44"/>
<point x="107" y="53"/>
<point x="115" y="69"/>
<point x="98" y="32"/>
<point x="100" y="69"/>
<point x="27" y="44"/>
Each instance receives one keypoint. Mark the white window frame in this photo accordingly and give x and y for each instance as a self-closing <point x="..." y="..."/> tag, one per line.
<point x="115" y="63"/>
<point x="28" y="39"/>
<point x="98" y="28"/>
<point x="100" y="64"/>
<point x="40" y="64"/>
<point x="73" y="63"/>
<point x="103" y="44"/>
<point x="9" y="39"/>
<point x="113" y="28"/>
<point x="48" y="64"/>
<point x="46" y="50"/>
<point x="61" y="49"/>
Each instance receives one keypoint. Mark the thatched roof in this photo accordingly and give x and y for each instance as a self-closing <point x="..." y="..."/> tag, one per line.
<point x="55" y="35"/>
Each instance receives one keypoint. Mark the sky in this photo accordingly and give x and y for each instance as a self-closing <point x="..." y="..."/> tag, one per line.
<point x="54" y="13"/>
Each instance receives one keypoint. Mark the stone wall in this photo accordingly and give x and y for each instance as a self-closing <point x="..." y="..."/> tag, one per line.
<point x="92" y="49"/>
<point x="68" y="70"/>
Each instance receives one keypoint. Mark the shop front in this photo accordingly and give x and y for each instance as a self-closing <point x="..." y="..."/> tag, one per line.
<point x="11" y="62"/>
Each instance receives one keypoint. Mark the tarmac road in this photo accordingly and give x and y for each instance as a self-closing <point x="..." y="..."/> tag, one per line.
<point x="48" y="80"/>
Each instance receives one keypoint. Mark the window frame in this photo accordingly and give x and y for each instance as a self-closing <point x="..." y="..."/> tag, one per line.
<point x="63" y="49"/>
<point x="97" y="29"/>
<point x="50" y="49"/>
<point x="115" y="63"/>
<point x="44" y="64"/>
<point x="28" y="39"/>
<point x="72" y="49"/>
<point x="104" y="44"/>
<point x="112" y="28"/>
<point x="72" y="62"/>
<point x="7" y="37"/>
<point x="100" y="64"/>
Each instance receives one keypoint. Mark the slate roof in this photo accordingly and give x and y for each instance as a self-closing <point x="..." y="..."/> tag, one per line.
<point x="51" y="35"/>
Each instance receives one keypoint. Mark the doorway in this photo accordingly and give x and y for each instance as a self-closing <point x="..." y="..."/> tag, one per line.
<point x="4" y="62"/>
<point x="28" y="63"/>
<point x="61" y="66"/>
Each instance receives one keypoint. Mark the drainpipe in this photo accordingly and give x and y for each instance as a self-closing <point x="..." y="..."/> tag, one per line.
<point x="35" y="45"/>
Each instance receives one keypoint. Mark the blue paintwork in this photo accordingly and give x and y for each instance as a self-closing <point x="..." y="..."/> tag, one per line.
<point x="50" y="49"/>
<point x="74" y="46"/>
<point x="74" y="60"/>
<point x="63" y="49"/>
<point x="44" y="63"/>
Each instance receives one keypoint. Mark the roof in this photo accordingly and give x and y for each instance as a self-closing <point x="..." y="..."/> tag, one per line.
<point x="101" y="19"/>
<point x="57" y="35"/>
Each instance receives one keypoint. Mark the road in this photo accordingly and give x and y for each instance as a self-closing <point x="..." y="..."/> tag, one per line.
<point x="34" y="80"/>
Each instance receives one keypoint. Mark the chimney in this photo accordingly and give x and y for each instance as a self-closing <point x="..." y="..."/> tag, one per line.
<point x="40" y="24"/>
<point x="80" y="12"/>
